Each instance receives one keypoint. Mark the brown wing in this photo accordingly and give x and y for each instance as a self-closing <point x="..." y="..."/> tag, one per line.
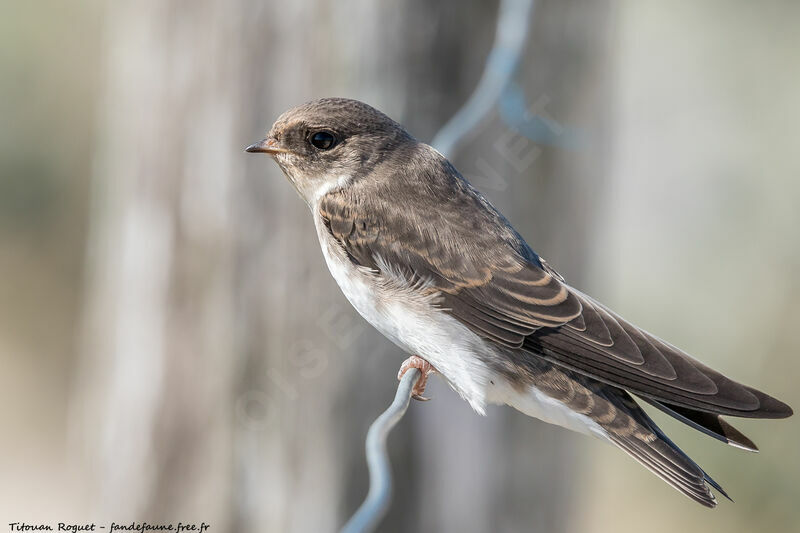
<point x="489" y="280"/>
<point x="462" y="249"/>
<point x="601" y="344"/>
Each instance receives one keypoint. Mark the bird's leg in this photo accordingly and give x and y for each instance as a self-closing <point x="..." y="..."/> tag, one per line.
<point x="425" y="369"/>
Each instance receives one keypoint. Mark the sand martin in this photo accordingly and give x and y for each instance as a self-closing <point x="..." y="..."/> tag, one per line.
<point x="430" y="263"/>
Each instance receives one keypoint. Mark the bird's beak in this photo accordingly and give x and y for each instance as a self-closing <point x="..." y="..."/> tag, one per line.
<point x="266" y="146"/>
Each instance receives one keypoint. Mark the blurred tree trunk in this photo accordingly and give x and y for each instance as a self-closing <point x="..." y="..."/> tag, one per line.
<point x="225" y="379"/>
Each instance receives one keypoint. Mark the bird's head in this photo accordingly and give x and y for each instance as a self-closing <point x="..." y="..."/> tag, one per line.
<point x="331" y="142"/>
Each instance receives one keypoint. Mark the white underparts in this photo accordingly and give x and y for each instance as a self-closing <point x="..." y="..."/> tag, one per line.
<point x="533" y="402"/>
<point x="408" y="319"/>
<point x="400" y="310"/>
<point x="326" y="185"/>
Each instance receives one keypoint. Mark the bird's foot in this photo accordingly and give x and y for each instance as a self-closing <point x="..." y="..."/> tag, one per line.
<point x="425" y="369"/>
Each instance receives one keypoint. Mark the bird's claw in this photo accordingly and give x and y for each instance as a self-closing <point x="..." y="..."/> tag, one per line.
<point x="425" y="369"/>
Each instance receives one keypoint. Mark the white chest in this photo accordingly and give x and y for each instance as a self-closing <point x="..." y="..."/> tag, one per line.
<point x="410" y="321"/>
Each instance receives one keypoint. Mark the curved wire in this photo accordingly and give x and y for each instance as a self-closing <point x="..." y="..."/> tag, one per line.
<point x="513" y="22"/>
<point x="374" y="508"/>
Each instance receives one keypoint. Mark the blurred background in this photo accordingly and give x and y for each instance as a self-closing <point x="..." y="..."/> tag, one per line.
<point x="174" y="348"/>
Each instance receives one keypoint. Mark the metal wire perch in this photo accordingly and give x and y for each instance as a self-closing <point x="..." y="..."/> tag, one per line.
<point x="374" y="508"/>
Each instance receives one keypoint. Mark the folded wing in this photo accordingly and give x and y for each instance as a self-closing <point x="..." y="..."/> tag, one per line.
<point x="487" y="278"/>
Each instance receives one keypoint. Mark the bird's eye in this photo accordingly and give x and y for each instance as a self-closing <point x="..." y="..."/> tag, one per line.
<point x="324" y="140"/>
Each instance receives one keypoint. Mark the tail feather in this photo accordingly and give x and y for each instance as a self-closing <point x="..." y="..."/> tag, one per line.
<point x="654" y="450"/>
<point x="692" y="484"/>
<point x="708" y="423"/>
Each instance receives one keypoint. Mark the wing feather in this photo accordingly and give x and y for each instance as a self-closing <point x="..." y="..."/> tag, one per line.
<point x="488" y="278"/>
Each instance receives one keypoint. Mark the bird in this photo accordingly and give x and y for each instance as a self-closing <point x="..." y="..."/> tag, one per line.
<point x="429" y="262"/>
